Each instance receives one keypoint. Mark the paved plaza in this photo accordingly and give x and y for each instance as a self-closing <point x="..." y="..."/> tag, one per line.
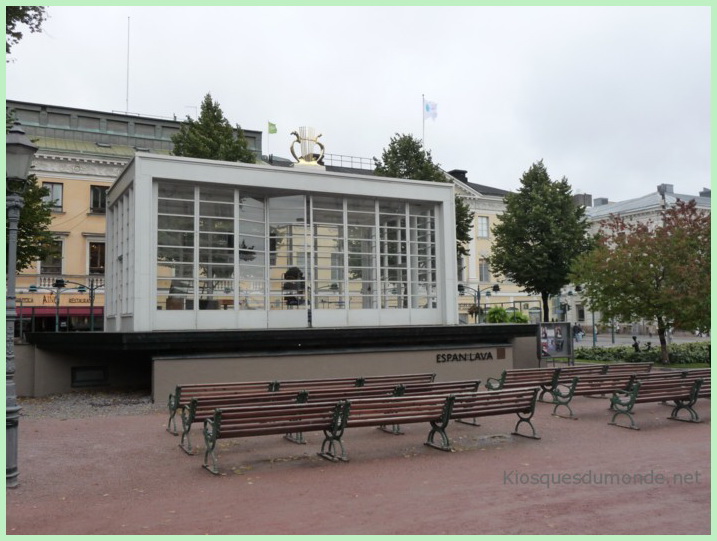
<point x="126" y="475"/>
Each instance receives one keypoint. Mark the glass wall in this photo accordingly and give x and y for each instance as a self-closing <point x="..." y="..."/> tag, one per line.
<point x="221" y="248"/>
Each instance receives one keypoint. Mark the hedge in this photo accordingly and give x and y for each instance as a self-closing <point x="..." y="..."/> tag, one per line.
<point x="694" y="352"/>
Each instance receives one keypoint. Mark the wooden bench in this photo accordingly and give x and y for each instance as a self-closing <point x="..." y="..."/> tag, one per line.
<point x="262" y="420"/>
<point x="545" y="378"/>
<point x="437" y="410"/>
<point x="621" y="380"/>
<point x="184" y="393"/>
<point x="684" y="392"/>
<point x="201" y="408"/>
<point x="333" y="418"/>
<point x="587" y="385"/>
<point x="629" y="368"/>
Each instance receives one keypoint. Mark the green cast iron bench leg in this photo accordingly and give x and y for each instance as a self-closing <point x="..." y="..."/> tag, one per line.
<point x="332" y="447"/>
<point x="526" y="418"/>
<point x="439" y="427"/>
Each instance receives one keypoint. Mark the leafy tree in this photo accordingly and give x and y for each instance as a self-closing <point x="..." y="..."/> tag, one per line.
<point x="34" y="240"/>
<point x="405" y="157"/>
<point x="654" y="271"/>
<point x="211" y="137"/>
<point x="539" y="236"/>
<point x="30" y="16"/>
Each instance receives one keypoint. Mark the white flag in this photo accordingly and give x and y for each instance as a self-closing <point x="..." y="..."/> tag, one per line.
<point x="430" y="110"/>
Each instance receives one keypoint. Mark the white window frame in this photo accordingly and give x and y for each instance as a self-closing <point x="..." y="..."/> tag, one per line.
<point x="482" y="227"/>
<point x="52" y="200"/>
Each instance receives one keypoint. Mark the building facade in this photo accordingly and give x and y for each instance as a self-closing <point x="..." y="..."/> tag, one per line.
<point x="81" y="153"/>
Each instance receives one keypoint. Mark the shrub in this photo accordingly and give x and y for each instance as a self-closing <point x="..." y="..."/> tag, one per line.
<point x="518" y="317"/>
<point x="695" y="352"/>
<point x="497" y="314"/>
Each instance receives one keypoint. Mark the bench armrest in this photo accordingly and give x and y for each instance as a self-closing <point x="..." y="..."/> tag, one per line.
<point x="494" y="384"/>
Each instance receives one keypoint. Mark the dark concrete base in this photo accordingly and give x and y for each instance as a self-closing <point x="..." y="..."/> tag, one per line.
<point x="158" y="360"/>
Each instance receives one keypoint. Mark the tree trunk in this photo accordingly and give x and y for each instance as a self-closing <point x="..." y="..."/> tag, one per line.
<point x="662" y="334"/>
<point x="546" y="308"/>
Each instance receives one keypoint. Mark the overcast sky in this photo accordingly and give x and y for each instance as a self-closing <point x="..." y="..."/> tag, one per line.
<point x="616" y="99"/>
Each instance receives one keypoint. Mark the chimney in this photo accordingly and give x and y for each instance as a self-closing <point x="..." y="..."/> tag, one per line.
<point x="706" y="192"/>
<point x="459" y="174"/>
<point x="663" y="189"/>
<point x="600" y="201"/>
<point x="583" y="199"/>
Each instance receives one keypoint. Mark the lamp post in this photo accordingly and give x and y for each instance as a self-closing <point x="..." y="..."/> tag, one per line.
<point x="19" y="152"/>
<point x="476" y="294"/>
<point x="61" y="285"/>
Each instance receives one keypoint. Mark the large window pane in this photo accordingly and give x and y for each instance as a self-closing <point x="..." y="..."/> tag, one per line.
<point x="175" y="238"/>
<point x="178" y="223"/>
<point x="169" y="206"/>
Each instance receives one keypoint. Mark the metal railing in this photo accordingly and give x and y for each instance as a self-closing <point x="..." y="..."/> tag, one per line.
<point x="350" y="162"/>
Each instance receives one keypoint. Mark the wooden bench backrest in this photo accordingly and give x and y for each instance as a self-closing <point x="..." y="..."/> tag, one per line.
<point x="503" y="401"/>
<point x="204" y="406"/>
<point x="395" y="410"/>
<point x="187" y="391"/>
<point x="633" y="368"/>
<point x="274" y="419"/>
<point x="530" y="374"/>
<point x="599" y="383"/>
<point x="654" y="390"/>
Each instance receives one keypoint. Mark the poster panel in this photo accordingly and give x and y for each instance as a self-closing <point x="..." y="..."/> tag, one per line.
<point x="555" y="342"/>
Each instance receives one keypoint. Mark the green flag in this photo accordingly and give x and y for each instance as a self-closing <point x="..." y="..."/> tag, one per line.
<point x="272" y="127"/>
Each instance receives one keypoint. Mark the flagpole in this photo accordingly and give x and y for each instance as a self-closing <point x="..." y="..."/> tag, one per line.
<point x="268" y="141"/>
<point x="423" y="114"/>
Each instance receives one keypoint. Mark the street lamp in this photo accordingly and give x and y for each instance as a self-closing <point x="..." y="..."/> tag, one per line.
<point x="84" y="288"/>
<point x="476" y="294"/>
<point x="19" y="152"/>
<point x="61" y="285"/>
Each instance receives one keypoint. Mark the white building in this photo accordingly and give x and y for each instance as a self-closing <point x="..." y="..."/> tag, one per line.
<point x="645" y="208"/>
<point x="197" y="244"/>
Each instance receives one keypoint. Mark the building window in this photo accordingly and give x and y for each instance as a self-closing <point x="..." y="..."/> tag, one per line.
<point x="55" y="195"/>
<point x="580" y="309"/>
<point x="98" y="199"/>
<point x="52" y="264"/>
<point x="483" y="227"/>
<point x="483" y="270"/>
<point x="97" y="258"/>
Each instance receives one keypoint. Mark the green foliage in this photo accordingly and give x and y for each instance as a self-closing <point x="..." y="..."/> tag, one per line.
<point x="657" y="272"/>
<point x="540" y="234"/>
<point x="30" y="16"/>
<point x="497" y="314"/>
<point x="518" y="317"/>
<point x="34" y="240"/>
<point x="211" y="137"/>
<point x="694" y="352"/>
<point x="405" y="157"/>
<point x="464" y="221"/>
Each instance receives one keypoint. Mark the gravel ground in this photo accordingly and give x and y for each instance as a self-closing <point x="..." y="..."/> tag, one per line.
<point x="89" y="403"/>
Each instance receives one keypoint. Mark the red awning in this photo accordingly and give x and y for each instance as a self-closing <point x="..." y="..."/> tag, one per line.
<point x="49" y="311"/>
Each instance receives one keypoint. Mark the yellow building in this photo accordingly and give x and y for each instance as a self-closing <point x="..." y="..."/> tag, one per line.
<point x="80" y="154"/>
<point x="487" y="204"/>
